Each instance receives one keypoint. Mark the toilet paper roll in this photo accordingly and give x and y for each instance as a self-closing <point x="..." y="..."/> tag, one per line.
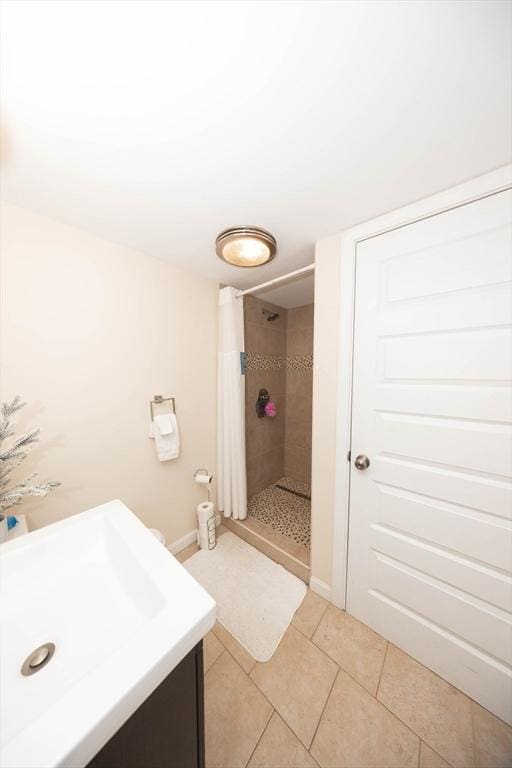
<point x="203" y="479"/>
<point x="206" y="525"/>
<point x="204" y="511"/>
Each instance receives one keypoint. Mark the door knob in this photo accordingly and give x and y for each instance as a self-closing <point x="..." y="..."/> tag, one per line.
<point x="361" y="461"/>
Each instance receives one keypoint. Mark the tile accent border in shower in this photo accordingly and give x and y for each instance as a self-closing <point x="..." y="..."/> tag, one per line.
<point x="258" y="362"/>
<point x="299" y="363"/>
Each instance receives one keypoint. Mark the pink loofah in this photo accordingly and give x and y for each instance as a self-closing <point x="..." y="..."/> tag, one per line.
<point x="270" y="409"/>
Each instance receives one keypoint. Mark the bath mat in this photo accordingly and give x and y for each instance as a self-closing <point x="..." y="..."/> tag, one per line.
<point x="256" y="598"/>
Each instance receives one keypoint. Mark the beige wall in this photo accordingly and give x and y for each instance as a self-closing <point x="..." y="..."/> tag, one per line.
<point x="325" y="382"/>
<point x="264" y="438"/>
<point x="299" y="393"/>
<point x="89" y="332"/>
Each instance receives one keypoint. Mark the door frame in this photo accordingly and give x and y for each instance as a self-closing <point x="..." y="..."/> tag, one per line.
<point x="483" y="186"/>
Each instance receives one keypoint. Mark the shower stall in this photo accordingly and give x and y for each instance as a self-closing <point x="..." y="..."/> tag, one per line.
<point x="278" y="416"/>
<point x="264" y="443"/>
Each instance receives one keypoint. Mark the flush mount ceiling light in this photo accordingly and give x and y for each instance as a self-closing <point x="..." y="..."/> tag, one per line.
<point x="245" y="246"/>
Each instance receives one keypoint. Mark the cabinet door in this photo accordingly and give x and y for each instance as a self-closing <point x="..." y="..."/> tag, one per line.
<point x="167" y="729"/>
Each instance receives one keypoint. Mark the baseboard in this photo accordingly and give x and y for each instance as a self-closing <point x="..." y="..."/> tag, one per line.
<point x="187" y="539"/>
<point x="321" y="588"/>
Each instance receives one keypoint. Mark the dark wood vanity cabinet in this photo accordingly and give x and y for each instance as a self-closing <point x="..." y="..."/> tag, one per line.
<point x="167" y="730"/>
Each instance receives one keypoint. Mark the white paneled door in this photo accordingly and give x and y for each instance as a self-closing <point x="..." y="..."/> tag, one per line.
<point x="430" y="540"/>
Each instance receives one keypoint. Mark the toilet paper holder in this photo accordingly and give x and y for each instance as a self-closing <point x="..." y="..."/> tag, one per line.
<point x="203" y="477"/>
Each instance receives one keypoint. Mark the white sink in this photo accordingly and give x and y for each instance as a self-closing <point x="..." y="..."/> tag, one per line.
<point x="122" y="613"/>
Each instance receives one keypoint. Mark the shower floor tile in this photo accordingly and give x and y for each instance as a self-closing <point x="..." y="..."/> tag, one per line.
<point x="283" y="511"/>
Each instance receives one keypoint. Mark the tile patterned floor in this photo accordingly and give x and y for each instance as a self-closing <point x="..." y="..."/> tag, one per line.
<point x="283" y="511"/>
<point x="337" y="695"/>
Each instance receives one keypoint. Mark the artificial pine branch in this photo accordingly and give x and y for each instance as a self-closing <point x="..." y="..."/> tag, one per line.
<point x="22" y="442"/>
<point x="9" y="408"/>
<point x="12" y="456"/>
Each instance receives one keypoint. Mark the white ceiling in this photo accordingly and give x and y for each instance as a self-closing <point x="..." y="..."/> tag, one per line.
<point x="157" y="124"/>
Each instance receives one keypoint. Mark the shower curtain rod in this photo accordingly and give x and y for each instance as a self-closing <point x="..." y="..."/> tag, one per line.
<point x="276" y="280"/>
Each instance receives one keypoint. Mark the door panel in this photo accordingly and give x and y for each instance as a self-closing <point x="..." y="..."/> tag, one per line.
<point x="439" y="522"/>
<point x="468" y="574"/>
<point x="430" y="543"/>
<point x="486" y="446"/>
<point x="449" y="267"/>
<point x="448" y="356"/>
<point x="462" y="401"/>
<point x="453" y="609"/>
<point x="488" y="494"/>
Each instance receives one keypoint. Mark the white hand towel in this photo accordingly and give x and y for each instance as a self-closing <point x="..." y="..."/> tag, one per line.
<point x="164" y="424"/>
<point x="167" y="446"/>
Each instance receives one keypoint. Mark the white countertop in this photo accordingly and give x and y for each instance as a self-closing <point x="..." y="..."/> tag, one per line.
<point x="122" y="612"/>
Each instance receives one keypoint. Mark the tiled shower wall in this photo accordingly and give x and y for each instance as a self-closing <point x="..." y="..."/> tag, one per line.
<point x="299" y="393"/>
<point x="265" y="346"/>
<point x="279" y="358"/>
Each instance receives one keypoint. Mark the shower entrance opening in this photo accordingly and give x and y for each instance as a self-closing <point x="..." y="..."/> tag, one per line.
<point x="278" y="331"/>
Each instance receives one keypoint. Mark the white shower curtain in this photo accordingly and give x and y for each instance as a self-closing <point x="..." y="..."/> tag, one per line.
<point x="231" y="475"/>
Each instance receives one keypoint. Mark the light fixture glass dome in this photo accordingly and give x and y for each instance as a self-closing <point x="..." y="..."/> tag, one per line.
<point x="245" y="246"/>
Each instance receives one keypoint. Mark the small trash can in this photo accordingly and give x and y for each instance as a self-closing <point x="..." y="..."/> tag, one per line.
<point x="158" y="535"/>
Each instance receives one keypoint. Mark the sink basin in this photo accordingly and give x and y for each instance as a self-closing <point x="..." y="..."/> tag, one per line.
<point x="121" y="612"/>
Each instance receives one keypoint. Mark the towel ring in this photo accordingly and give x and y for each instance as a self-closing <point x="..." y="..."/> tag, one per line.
<point x="159" y="399"/>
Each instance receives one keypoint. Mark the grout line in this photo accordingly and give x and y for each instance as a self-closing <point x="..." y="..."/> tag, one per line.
<point x="320" y="620"/>
<point x="253" y="681"/>
<point x="216" y="635"/>
<point x="216" y="660"/>
<point x="317" y="647"/>
<point x="421" y="738"/>
<point x="261" y="736"/>
<point x="338" y="668"/>
<point x="382" y="670"/>
<point x="422" y="741"/>
<point x="255" y="661"/>
<point x="314" y="631"/>
<point x="247" y="674"/>
<point x="374" y="696"/>
<point x="348" y="672"/>
<point x="324" y="708"/>
<point x="283" y="718"/>
<point x="409" y="727"/>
